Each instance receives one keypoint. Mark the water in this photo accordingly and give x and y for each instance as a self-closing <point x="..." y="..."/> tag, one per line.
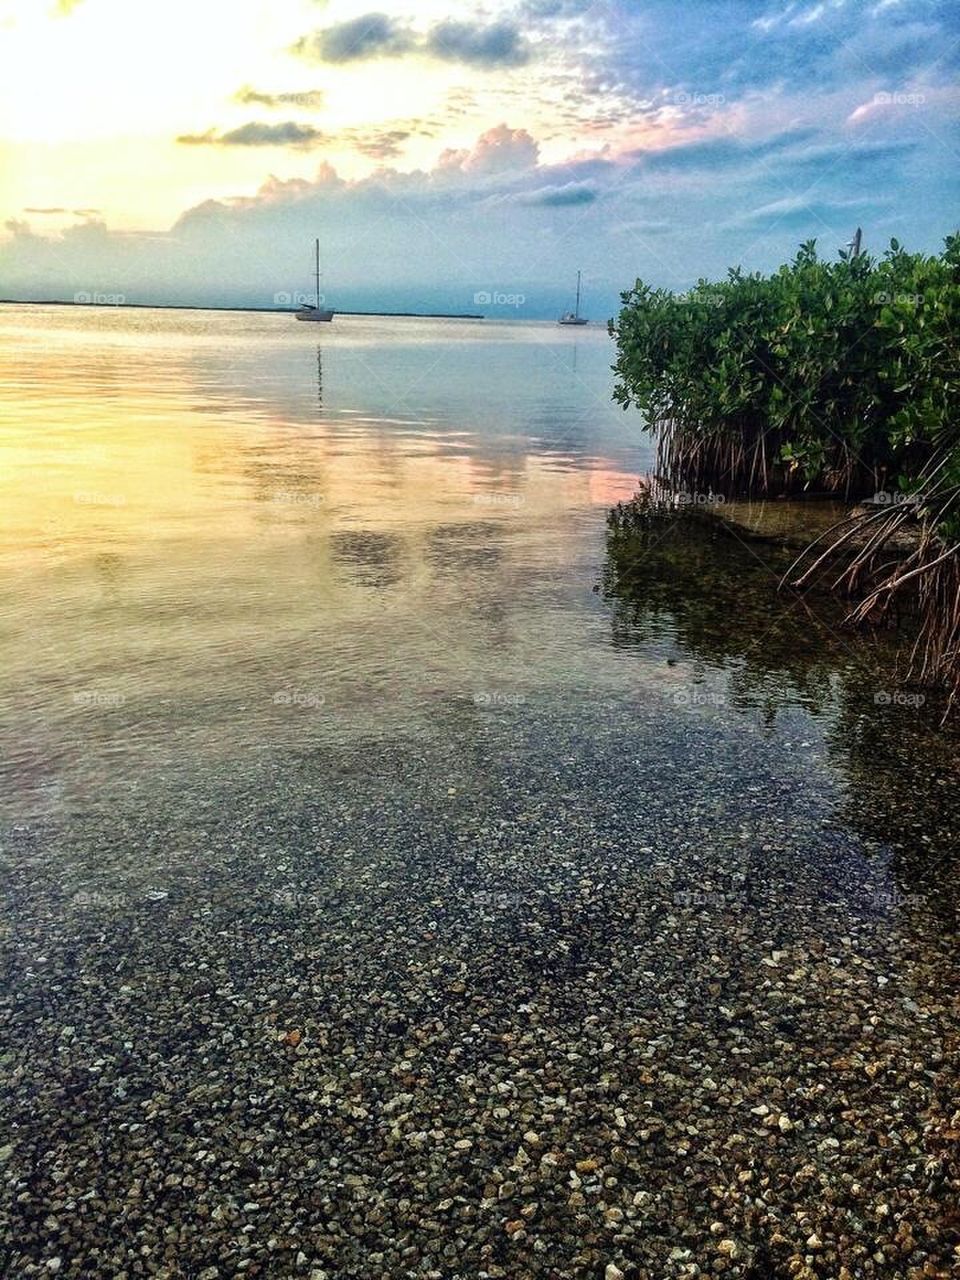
<point x="205" y="514"/>
<point x="346" y="753"/>
<point x="227" y="539"/>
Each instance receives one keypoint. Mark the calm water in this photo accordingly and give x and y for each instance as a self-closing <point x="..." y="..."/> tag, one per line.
<point x="223" y="534"/>
<point x="229" y="541"/>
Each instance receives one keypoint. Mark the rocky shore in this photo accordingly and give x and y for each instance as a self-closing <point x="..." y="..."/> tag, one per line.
<point x="597" y="1009"/>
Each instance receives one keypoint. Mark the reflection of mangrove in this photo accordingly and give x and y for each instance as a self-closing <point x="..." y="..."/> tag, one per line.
<point x="368" y="558"/>
<point x="718" y="597"/>
<point x="453" y="548"/>
<point x="901" y="788"/>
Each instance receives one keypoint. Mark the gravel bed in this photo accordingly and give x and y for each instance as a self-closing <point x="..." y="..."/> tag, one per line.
<point x="569" y="1000"/>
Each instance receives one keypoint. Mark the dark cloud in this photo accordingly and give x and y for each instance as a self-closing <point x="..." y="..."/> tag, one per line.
<point x="308" y="99"/>
<point x="711" y="153"/>
<point x="853" y="157"/>
<point x="289" y="133"/>
<point x="58" y="209"/>
<point x="379" y="144"/>
<point x="725" y="152"/>
<point x="372" y="35"/>
<point x="376" y="35"/>
<point x="497" y="45"/>
<point x="571" y="193"/>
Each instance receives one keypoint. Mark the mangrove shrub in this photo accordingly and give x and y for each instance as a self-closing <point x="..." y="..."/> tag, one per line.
<point x="838" y="377"/>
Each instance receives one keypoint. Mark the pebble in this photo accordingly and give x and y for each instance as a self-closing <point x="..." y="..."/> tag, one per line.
<point x="484" y="1039"/>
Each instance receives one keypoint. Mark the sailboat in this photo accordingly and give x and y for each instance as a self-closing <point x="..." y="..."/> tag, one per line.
<point x="574" y="316"/>
<point x="308" y="312"/>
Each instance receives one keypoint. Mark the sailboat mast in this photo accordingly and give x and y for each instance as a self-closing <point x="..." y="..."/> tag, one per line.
<point x="577" y="310"/>
<point x="318" y="272"/>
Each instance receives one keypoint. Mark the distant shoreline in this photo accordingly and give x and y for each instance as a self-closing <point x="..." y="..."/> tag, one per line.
<point x="282" y="311"/>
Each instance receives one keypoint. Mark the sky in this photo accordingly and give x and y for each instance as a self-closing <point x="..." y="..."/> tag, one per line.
<point x="467" y="158"/>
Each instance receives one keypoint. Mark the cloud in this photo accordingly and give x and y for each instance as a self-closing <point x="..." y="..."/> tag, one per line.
<point x="798" y="212"/>
<point x="571" y="193"/>
<point x="872" y="161"/>
<point x="376" y="35"/>
<point x="803" y="60"/>
<point x="53" y="210"/>
<point x="494" y="211"/>
<point x="497" y="45"/>
<point x="379" y="144"/>
<point x="308" y="99"/>
<point x="372" y="35"/>
<point x="289" y="133"/>
<point x="497" y="150"/>
<point x="704" y="155"/>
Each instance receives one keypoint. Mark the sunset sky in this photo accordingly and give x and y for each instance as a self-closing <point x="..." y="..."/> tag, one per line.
<point x="189" y="151"/>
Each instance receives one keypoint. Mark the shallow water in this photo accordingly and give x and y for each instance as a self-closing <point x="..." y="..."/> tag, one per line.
<point x="205" y="515"/>
<point x="325" y="686"/>
<point x="224" y="539"/>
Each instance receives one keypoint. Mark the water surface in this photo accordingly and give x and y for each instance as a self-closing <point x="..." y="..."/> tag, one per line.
<point x="206" y="516"/>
